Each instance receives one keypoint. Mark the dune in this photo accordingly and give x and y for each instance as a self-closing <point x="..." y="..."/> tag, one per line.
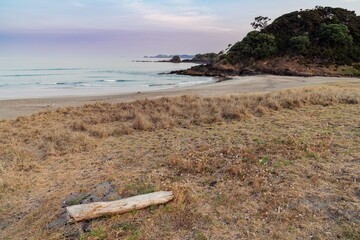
<point x="10" y="109"/>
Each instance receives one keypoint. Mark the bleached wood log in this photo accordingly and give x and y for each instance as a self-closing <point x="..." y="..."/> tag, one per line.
<point x="98" y="209"/>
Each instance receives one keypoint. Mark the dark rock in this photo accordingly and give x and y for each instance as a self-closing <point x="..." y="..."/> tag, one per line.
<point x="102" y="192"/>
<point x="208" y="70"/>
<point x="71" y="232"/>
<point x="170" y="56"/>
<point x="74" y="198"/>
<point x="60" y="220"/>
<point x="175" y="59"/>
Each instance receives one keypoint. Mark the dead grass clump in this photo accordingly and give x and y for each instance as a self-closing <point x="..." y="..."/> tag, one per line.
<point x="99" y="131"/>
<point x="64" y="142"/>
<point x="79" y="125"/>
<point x="231" y="114"/>
<point x="261" y="110"/>
<point x="271" y="103"/>
<point x="49" y="150"/>
<point x="3" y="185"/>
<point x="245" y="153"/>
<point x="19" y="157"/>
<point x="180" y="214"/>
<point x="123" y="129"/>
<point x="16" y="153"/>
<point x="193" y="162"/>
<point x="162" y="120"/>
<point x="142" y="122"/>
<point x="182" y="195"/>
<point x="137" y="188"/>
<point x="64" y="111"/>
<point x="175" y="111"/>
<point x="350" y="99"/>
<point x="237" y="170"/>
<point x="177" y="160"/>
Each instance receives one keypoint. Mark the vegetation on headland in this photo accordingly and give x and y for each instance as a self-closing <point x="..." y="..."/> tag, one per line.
<point x="329" y="34"/>
<point x="207" y="58"/>
<point x="255" y="166"/>
<point x="320" y="41"/>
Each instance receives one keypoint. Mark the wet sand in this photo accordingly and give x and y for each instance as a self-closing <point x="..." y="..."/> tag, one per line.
<point x="11" y="109"/>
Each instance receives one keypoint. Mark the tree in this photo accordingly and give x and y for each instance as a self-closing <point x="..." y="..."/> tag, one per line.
<point x="335" y="35"/>
<point x="260" y="22"/>
<point x="299" y="44"/>
<point x="255" y="45"/>
<point x="336" y="43"/>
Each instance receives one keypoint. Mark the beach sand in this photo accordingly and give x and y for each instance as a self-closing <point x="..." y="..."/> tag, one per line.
<point x="11" y="109"/>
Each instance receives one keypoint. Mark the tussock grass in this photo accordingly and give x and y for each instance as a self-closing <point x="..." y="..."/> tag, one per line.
<point x="70" y="130"/>
<point x="190" y="110"/>
<point x="242" y="167"/>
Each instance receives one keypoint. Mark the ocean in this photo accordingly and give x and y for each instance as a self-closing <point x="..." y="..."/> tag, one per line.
<point x="125" y="76"/>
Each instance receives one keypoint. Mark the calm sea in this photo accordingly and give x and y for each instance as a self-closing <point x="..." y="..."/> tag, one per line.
<point x="125" y="77"/>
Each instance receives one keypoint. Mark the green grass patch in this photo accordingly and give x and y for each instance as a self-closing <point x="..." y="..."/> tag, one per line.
<point x="351" y="70"/>
<point x="96" y="233"/>
<point x="139" y="188"/>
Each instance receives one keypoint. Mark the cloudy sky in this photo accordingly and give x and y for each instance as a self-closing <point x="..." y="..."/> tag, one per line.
<point x="107" y="28"/>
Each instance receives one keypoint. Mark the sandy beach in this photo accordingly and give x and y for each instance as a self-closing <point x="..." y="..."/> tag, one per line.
<point x="11" y="109"/>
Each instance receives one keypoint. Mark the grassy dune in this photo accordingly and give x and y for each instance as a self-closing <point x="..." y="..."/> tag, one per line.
<point x="280" y="165"/>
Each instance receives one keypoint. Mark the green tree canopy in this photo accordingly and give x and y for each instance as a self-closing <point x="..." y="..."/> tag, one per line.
<point x="299" y="44"/>
<point x="330" y="34"/>
<point x="335" y="35"/>
<point x="255" y="45"/>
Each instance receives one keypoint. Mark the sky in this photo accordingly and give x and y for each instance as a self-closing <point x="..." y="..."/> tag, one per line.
<point x="45" y="29"/>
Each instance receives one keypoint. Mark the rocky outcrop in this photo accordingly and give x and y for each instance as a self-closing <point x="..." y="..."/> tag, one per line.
<point x="209" y="70"/>
<point x="170" y="56"/>
<point x="175" y="59"/>
<point x="284" y="66"/>
<point x="206" y="58"/>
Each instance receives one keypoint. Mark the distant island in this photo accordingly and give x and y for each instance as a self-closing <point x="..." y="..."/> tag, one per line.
<point x="170" y="56"/>
<point x="323" y="41"/>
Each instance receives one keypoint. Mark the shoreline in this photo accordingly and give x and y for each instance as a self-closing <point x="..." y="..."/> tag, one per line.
<point x="13" y="108"/>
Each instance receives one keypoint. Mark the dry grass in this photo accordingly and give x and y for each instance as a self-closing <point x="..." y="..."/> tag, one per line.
<point x="248" y="166"/>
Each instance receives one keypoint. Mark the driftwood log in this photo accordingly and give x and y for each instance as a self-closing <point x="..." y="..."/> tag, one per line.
<point x="98" y="209"/>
